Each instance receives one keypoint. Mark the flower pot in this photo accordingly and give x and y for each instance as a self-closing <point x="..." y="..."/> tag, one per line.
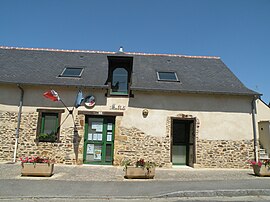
<point x="139" y="173"/>
<point x="37" y="169"/>
<point x="261" y="170"/>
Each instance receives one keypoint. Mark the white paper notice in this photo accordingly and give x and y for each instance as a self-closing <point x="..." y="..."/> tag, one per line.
<point x="99" y="127"/>
<point x="95" y="136"/>
<point x="99" y="136"/>
<point x="109" y="126"/>
<point x="90" y="149"/>
<point x="97" y="154"/>
<point x="94" y="125"/>
<point x="109" y="137"/>
<point x="90" y="136"/>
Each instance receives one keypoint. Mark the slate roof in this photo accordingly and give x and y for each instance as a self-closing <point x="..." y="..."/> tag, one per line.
<point x="197" y="74"/>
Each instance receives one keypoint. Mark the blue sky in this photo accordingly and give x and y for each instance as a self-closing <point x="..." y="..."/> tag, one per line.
<point x="236" y="30"/>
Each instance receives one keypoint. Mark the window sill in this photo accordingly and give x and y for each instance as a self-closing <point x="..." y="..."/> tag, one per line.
<point x="47" y="141"/>
<point x="118" y="95"/>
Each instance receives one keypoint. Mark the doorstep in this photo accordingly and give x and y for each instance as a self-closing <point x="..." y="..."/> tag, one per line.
<point x="182" y="167"/>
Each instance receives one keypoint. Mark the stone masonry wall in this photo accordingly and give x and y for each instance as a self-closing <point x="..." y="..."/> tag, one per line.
<point x="224" y="153"/>
<point x="133" y="144"/>
<point x="8" y="125"/>
<point x="67" y="151"/>
<point x="130" y="143"/>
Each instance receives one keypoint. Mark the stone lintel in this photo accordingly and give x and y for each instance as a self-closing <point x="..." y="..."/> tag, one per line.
<point x="100" y="113"/>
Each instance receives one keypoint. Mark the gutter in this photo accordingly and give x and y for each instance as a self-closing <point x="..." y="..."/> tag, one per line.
<point x="254" y="123"/>
<point x="251" y="93"/>
<point x="18" y="123"/>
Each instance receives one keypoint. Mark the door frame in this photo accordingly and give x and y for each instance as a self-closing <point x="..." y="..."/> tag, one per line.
<point x="102" y="162"/>
<point x="191" y="120"/>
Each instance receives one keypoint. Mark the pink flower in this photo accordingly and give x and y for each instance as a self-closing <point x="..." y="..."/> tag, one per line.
<point x="35" y="160"/>
<point x="259" y="163"/>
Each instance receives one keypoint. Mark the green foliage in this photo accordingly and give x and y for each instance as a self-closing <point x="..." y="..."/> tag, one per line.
<point x="50" y="137"/>
<point x="140" y="163"/>
<point x="126" y="163"/>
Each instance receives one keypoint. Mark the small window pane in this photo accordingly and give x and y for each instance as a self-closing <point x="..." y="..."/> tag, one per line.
<point x="167" y="76"/>
<point x="72" y="72"/>
<point x="120" y="80"/>
<point x="48" y="132"/>
<point x="50" y="123"/>
<point x="108" y="152"/>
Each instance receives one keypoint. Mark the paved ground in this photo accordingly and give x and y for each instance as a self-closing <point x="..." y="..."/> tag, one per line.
<point x="106" y="183"/>
<point x="111" y="173"/>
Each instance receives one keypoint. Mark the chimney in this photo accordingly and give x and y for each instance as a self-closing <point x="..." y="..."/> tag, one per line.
<point x="121" y="50"/>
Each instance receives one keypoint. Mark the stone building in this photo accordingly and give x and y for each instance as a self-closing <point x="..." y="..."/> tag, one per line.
<point x="170" y="109"/>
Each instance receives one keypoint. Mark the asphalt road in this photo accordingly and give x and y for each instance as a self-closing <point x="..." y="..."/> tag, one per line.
<point x="127" y="190"/>
<point x="100" y="183"/>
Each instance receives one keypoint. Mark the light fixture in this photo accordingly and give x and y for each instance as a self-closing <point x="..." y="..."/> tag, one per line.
<point x="145" y="113"/>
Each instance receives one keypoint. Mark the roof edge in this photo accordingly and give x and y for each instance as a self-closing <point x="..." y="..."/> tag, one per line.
<point x="51" y="84"/>
<point x="197" y="92"/>
<point x="105" y="52"/>
<point x="264" y="103"/>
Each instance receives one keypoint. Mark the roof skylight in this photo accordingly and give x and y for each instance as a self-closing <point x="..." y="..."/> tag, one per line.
<point x="167" y="76"/>
<point x="72" y="72"/>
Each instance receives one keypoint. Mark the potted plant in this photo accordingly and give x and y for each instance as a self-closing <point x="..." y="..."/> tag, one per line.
<point x="261" y="168"/>
<point x="37" y="166"/>
<point x="142" y="169"/>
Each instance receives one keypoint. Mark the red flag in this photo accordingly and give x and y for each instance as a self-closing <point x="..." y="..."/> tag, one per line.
<point x="52" y="95"/>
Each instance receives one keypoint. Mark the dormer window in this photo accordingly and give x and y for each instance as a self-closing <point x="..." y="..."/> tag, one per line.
<point x="72" y="72"/>
<point x="119" y="78"/>
<point x="167" y="76"/>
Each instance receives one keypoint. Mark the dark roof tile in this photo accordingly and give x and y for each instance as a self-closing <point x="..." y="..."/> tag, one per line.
<point x="43" y="66"/>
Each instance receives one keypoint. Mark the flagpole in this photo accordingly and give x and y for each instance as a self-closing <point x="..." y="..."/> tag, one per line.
<point x="70" y="111"/>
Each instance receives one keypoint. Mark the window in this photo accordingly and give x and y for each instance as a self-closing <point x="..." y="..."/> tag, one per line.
<point x="167" y="76"/>
<point x="119" y="75"/>
<point x="48" y="125"/>
<point x="120" y="80"/>
<point x="72" y="72"/>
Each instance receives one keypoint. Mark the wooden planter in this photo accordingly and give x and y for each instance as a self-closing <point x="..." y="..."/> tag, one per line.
<point x="139" y="173"/>
<point x="261" y="171"/>
<point x="37" y="169"/>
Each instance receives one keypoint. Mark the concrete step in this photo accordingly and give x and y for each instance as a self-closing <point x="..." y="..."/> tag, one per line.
<point x="262" y="150"/>
<point x="263" y="154"/>
<point x="264" y="158"/>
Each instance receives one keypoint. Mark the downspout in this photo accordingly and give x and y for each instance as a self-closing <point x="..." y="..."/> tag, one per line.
<point x="18" y="123"/>
<point x="254" y="122"/>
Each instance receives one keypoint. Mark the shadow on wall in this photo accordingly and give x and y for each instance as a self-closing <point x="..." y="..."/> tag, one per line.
<point x="76" y="143"/>
<point x="192" y="102"/>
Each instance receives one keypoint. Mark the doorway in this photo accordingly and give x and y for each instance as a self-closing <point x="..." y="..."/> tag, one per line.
<point x="182" y="142"/>
<point x="99" y="140"/>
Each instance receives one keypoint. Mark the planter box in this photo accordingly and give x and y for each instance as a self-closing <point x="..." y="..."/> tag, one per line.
<point x="139" y="173"/>
<point x="261" y="171"/>
<point x="37" y="169"/>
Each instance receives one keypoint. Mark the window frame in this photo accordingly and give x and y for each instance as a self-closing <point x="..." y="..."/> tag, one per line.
<point x="170" y="80"/>
<point x="115" y="62"/>
<point x="71" y="76"/>
<point x="127" y="78"/>
<point x="40" y="124"/>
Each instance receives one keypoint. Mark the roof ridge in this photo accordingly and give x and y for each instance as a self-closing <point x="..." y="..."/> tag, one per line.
<point x="55" y="50"/>
<point x="106" y="52"/>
